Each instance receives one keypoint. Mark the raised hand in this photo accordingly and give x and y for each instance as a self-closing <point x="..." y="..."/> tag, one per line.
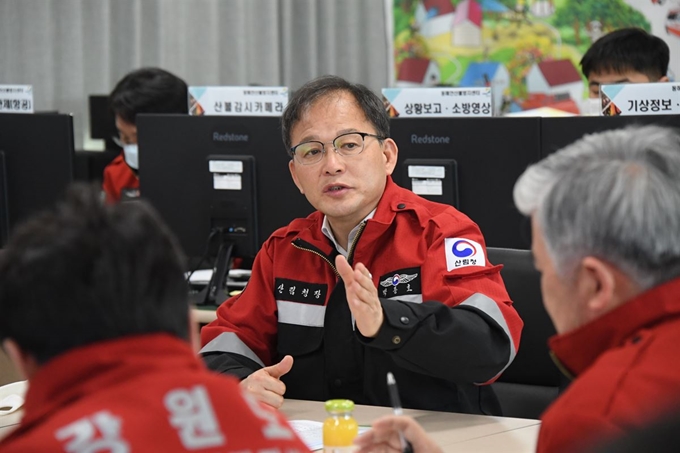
<point x="362" y="296"/>
<point x="265" y="384"/>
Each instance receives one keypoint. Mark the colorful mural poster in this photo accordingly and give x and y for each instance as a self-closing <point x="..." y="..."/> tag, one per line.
<point x="527" y="51"/>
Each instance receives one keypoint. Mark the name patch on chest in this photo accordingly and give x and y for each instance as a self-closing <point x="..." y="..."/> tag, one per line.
<point x="401" y="282"/>
<point x="299" y="291"/>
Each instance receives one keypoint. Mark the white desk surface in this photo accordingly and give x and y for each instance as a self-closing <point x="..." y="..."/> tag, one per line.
<point x="453" y="432"/>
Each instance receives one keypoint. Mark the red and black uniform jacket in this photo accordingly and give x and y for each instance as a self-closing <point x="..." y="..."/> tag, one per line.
<point x="627" y="372"/>
<point x="120" y="182"/>
<point x="143" y="393"/>
<point x="449" y="325"/>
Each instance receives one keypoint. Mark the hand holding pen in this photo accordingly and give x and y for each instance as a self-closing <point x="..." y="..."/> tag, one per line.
<point x="396" y="409"/>
<point x="396" y="433"/>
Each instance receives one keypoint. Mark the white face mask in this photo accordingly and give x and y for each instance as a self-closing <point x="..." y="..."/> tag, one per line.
<point x="591" y="107"/>
<point x="131" y="156"/>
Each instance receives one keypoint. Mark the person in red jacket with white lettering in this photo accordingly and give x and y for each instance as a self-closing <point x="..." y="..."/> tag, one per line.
<point x="145" y="90"/>
<point x="378" y="279"/>
<point x="605" y="217"/>
<point x="94" y="312"/>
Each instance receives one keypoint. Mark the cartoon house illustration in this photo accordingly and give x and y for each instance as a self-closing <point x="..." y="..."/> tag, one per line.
<point x="413" y="72"/>
<point x="434" y="17"/>
<point x="488" y="74"/>
<point x="467" y="25"/>
<point x="555" y="77"/>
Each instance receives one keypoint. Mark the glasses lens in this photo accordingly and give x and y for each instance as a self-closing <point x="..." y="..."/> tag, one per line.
<point x="349" y="144"/>
<point x="309" y="152"/>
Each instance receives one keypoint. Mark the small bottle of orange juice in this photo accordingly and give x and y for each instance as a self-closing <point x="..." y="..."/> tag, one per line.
<point x="340" y="428"/>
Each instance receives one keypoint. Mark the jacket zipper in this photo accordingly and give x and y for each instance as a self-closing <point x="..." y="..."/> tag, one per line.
<point x="324" y="257"/>
<point x="350" y="254"/>
<point x="317" y="253"/>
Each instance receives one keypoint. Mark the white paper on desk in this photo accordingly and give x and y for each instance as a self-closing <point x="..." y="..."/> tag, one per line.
<point x="10" y="404"/>
<point x="311" y="432"/>
<point x="12" y="397"/>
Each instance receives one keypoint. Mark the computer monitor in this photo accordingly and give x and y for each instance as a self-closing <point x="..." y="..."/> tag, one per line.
<point x="102" y="120"/>
<point x="557" y="133"/>
<point x="38" y="154"/>
<point x="489" y="155"/>
<point x="220" y="176"/>
<point x="4" y="204"/>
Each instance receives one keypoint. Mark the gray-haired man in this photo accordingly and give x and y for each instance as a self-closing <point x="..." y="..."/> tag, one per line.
<point x="605" y="217"/>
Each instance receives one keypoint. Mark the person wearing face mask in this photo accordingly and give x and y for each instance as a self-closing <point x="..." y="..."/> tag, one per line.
<point x="145" y="90"/>
<point x="626" y="55"/>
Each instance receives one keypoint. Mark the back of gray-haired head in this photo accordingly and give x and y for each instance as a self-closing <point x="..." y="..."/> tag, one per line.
<point x="614" y="195"/>
<point x="323" y="86"/>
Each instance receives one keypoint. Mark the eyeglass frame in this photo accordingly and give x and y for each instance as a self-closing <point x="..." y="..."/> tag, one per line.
<point x="363" y="135"/>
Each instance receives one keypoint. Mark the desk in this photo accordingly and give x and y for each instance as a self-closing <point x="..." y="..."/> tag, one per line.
<point x="203" y="315"/>
<point x="9" y="423"/>
<point x="453" y="432"/>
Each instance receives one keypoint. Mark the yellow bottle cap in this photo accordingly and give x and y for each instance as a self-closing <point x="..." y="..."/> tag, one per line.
<point x="339" y="405"/>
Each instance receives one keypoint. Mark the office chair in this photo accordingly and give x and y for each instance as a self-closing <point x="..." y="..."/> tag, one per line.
<point x="532" y="381"/>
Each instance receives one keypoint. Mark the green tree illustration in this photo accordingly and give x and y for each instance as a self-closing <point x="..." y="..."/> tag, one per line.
<point x="612" y="14"/>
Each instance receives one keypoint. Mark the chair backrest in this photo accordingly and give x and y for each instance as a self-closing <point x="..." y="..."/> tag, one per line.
<point x="532" y="381"/>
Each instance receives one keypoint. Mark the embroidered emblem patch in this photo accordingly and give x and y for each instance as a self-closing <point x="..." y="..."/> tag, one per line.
<point x="400" y="282"/>
<point x="462" y="252"/>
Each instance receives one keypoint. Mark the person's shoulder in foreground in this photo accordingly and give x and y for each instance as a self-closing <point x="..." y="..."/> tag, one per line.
<point x="660" y="436"/>
<point x="94" y="313"/>
<point x="627" y="55"/>
<point x="376" y="280"/>
<point x="144" y="90"/>
<point x="605" y="217"/>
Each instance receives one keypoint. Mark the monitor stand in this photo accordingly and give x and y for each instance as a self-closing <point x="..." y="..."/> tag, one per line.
<point x="213" y="293"/>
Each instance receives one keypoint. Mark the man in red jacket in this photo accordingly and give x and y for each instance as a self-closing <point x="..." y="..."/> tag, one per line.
<point x="94" y="312"/>
<point x="605" y="217"/>
<point x="145" y="90"/>
<point x="378" y="279"/>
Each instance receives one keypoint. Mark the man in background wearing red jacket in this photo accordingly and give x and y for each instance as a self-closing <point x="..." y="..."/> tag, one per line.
<point x="146" y="90"/>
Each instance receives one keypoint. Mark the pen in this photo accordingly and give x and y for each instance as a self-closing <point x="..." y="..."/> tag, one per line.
<point x="396" y="409"/>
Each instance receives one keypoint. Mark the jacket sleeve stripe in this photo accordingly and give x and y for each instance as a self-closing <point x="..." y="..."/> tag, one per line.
<point x="300" y="314"/>
<point x="490" y="308"/>
<point x="231" y="343"/>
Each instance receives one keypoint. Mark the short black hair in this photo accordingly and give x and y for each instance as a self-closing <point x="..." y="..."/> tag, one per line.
<point x="627" y="49"/>
<point x="148" y="90"/>
<point x="323" y="86"/>
<point x="85" y="271"/>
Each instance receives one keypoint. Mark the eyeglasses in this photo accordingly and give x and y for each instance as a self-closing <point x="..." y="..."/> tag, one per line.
<point x="349" y="144"/>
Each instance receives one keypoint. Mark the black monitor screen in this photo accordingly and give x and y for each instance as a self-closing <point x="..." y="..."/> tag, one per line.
<point x="557" y="133"/>
<point x="4" y="213"/>
<point x="175" y="154"/>
<point x="489" y="155"/>
<point x="38" y="152"/>
<point x="102" y="120"/>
